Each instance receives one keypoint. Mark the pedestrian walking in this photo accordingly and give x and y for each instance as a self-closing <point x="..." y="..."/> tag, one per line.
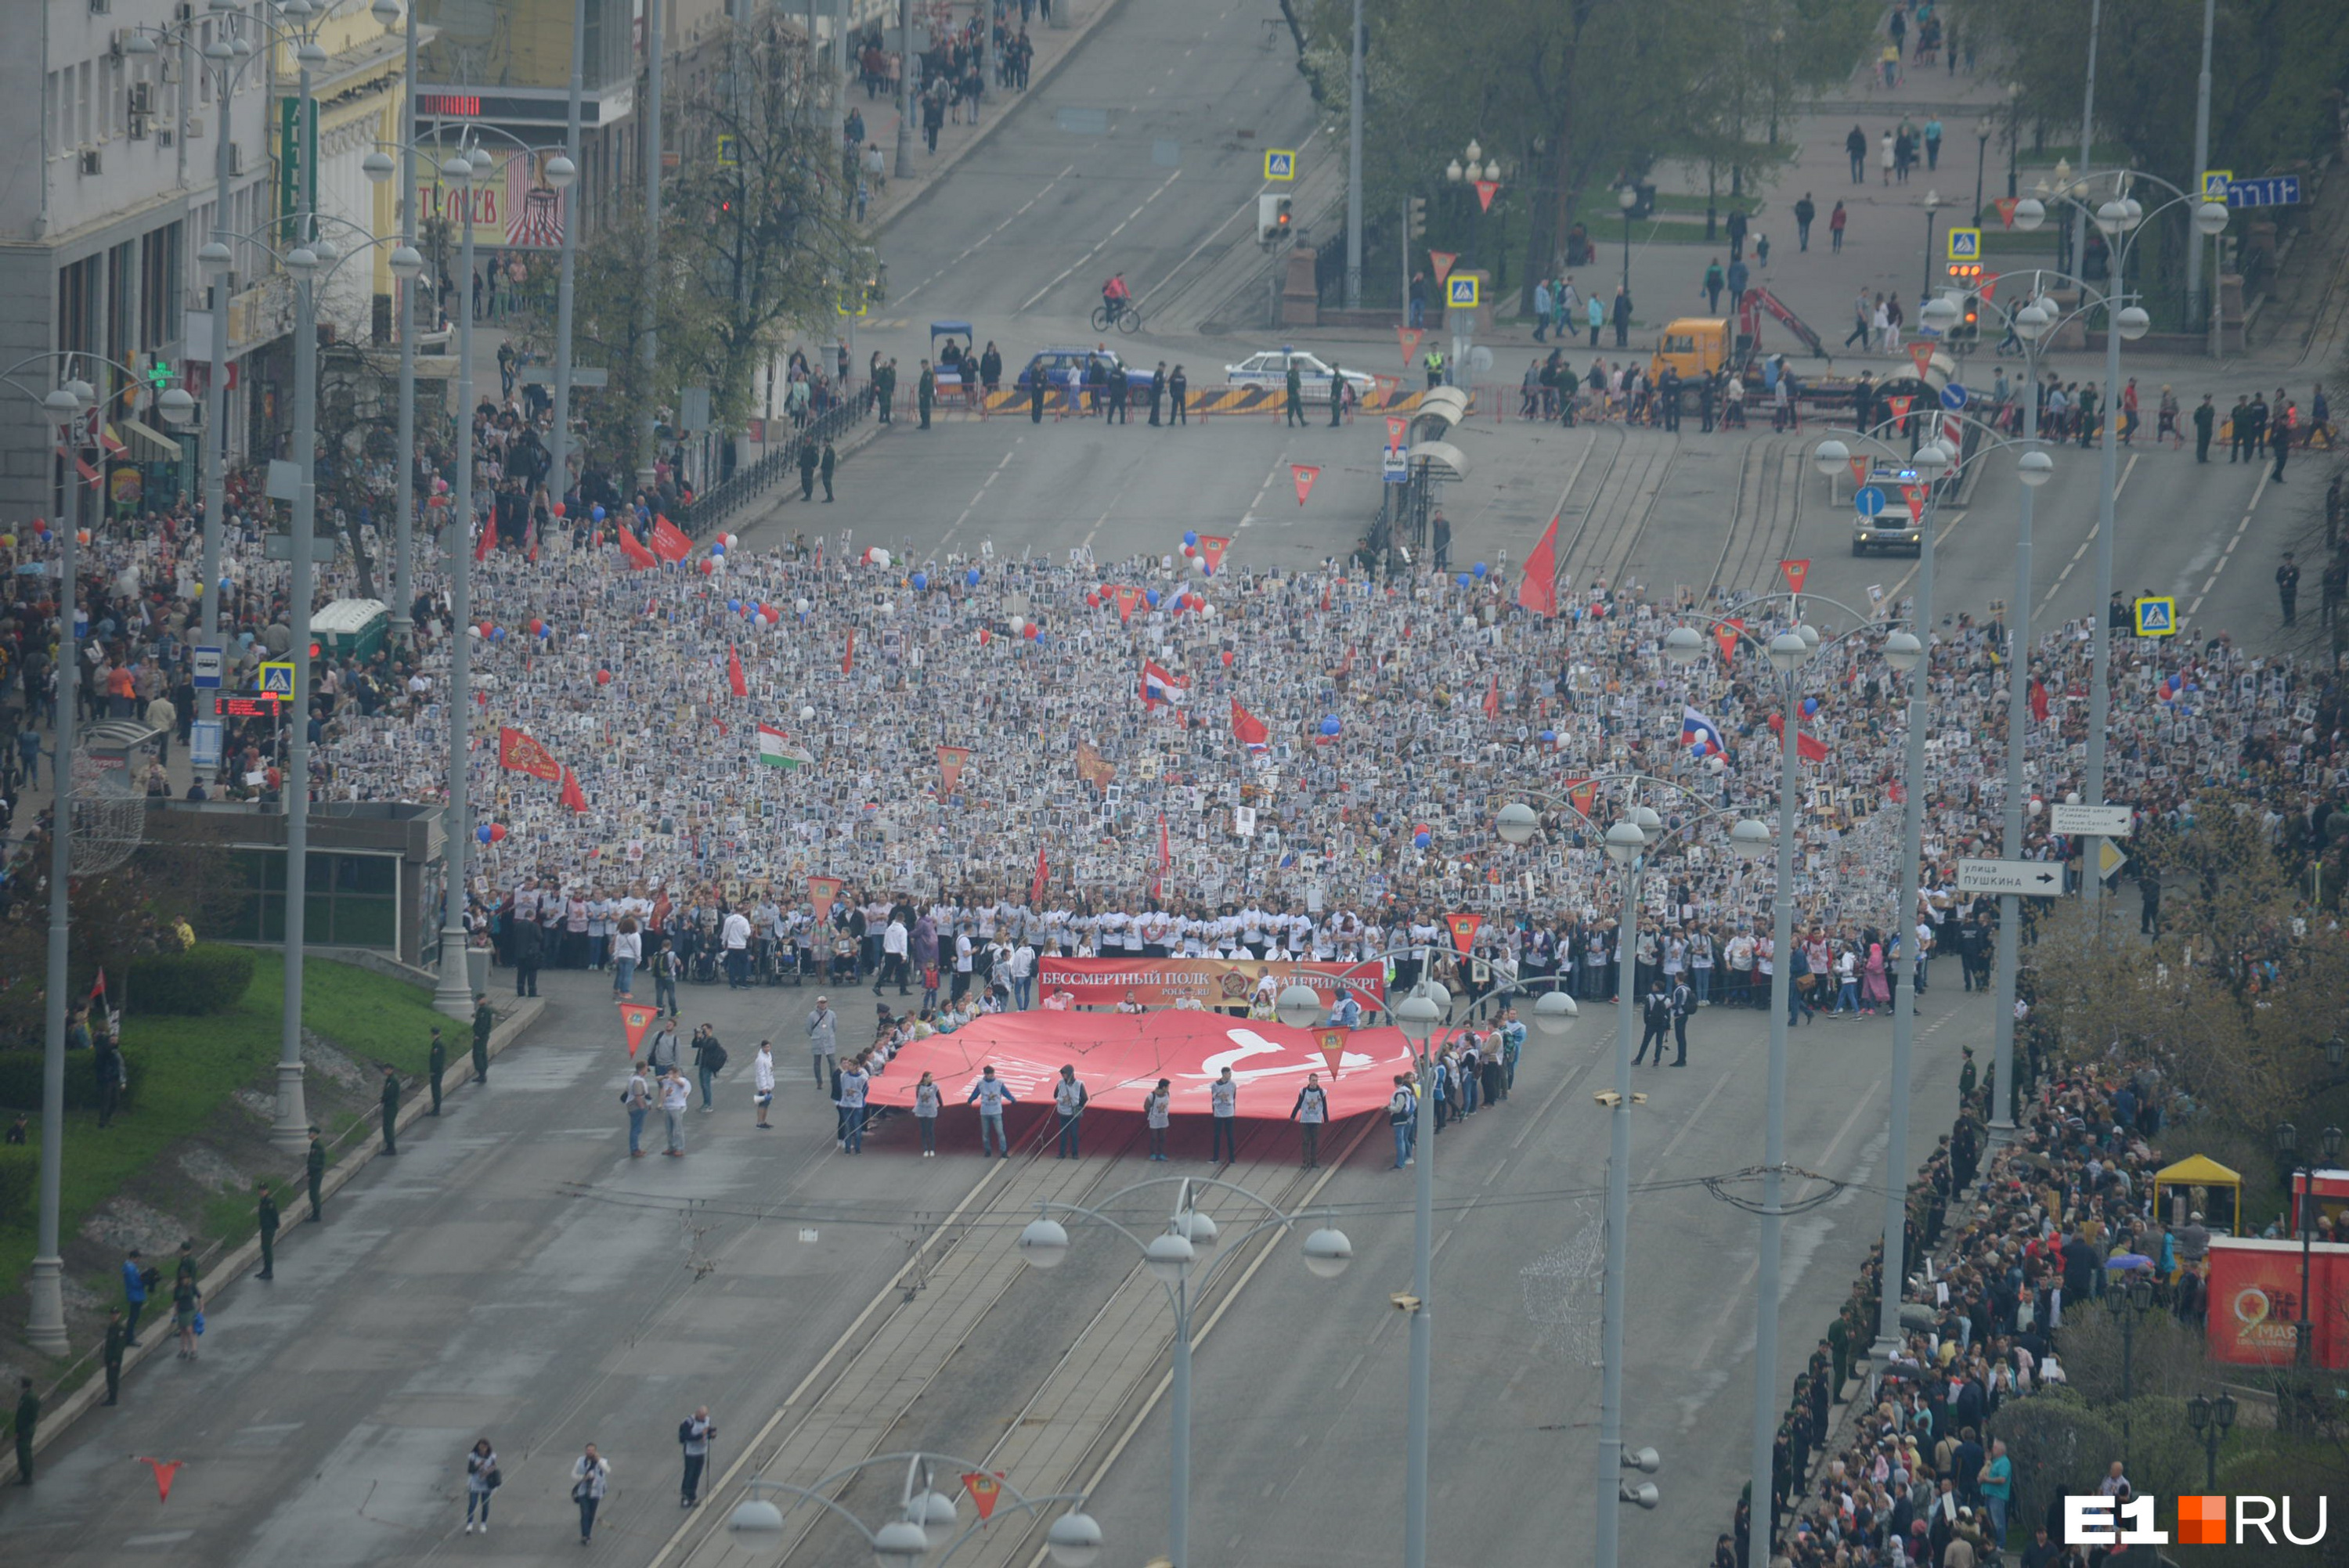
<point x="1737" y="226"/>
<point x="436" y="1062"/>
<point x="855" y="1083"/>
<point x="591" y="1476"/>
<point x="1837" y="220"/>
<point x="1805" y="210"/>
<point x="483" y="1022"/>
<point x="823" y="1040"/>
<point x="693" y="1435"/>
<point x="926" y="1103"/>
<point x="116" y="1339"/>
<point x="314" y="1165"/>
<point x="266" y="1210"/>
<point x="708" y="1061"/>
<point x="1595" y="313"/>
<point x="1069" y="1098"/>
<point x="137" y="1279"/>
<point x="829" y="461"/>
<point x="1224" y="1101"/>
<point x="636" y="1099"/>
<point x="1312" y="1110"/>
<point x="2287" y="578"/>
<point x="1154" y="1114"/>
<point x="482" y="1478"/>
<point x="762" y="1083"/>
<point x="1855" y="145"/>
<point x="28" y="1419"/>
<point x="676" y="1094"/>
<point x="991" y="1094"/>
<point x="391" y="1101"/>
<point x="1711" y="286"/>
<point x="668" y="967"/>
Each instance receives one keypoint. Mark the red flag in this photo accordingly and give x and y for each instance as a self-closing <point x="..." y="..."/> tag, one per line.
<point x="1409" y="336"/>
<point x="1246" y="728"/>
<point x="951" y="762"/>
<point x="1538" y="588"/>
<point x="984" y="1490"/>
<point x="1043" y="877"/>
<point x="2039" y="701"/>
<point x="1920" y="355"/>
<point x="1125" y="596"/>
<point x="635" y="1018"/>
<point x="734" y="681"/>
<point x="521" y="754"/>
<point x="1988" y="284"/>
<point x="1441" y="262"/>
<point x="1860" y="471"/>
<point x="1794" y="571"/>
<point x="1726" y="634"/>
<point x="1464" y="928"/>
<point x="1492" y="698"/>
<point x="848" y="659"/>
<point x="2006" y="206"/>
<point x="1304" y="474"/>
<point x="164" y="1470"/>
<point x="1165" y="859"/>
<point x="1333" y="1049"/>
<point x="1396" y="425"/>
<point x="668" y="540"/>
<point x="99" y="989"/>
<point x="1584" y="794"/>
<point x="1212" y="546"/>
<point x="1915" y="496"/>
<point x="487" y="542"/>
<point x="633" y="552"/>
<point x="1900" y="405"/>
<point x="822" y="892"/>
<point x="1486" y="191"/>
<point x="573" y="796"/>
<point x="1809" y="747"/>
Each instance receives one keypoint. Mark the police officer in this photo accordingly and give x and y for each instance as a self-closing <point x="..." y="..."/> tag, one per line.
<point x="1295" y="381"/>
<point x="1117" y="390"/>
<point x="807" y="470"/>
<point x="1157" y="390"/>
<point x="830" y="461"/>
<point x="1435" y="363"/>
<point x="926" y="391"/>
<point x="390" y="1110"/>
<point x="483" y="1022"/>
<point x="1337" y="395"/>
<point x="1668" y="394"/>
<point x="2287" y="576"/>
<point x="1036" y="394"/>
<point x="314" y="1163"/>
<point x="268" y="1212"/>
<point x="2205" y="417"/>
<point x="436" y="1062"/>
<point x="1178" y="388"/>
<point x="1656" y="1016"/>
<point x="1684" y="1002"/>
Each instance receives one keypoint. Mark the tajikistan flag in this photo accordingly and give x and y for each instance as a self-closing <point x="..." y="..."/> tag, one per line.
<point x="776" y="750"/>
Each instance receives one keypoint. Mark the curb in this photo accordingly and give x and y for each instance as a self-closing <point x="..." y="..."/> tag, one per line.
<point x="235" y="1267"/>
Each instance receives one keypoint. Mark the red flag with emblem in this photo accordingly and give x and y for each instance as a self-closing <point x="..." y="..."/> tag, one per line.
<point x="668" y="540"/>
<point x="521" y="754"/>
<point x="1726" y="636"/>
<point x="1464" y="928"/>
<point x="1212" y="547"/>
<point x="951" y="762"/>
<point x="2006" y="206"/>
<point x="1900" y="405"/>
<point x="1920" y="355"/>
<point x="1988" y="284"/>
<point x="1794" y="571"/>
<point x="1440" y="262"/>
<point x="984" y="1491"/>
<point x="1409" y="336"/>
<point x="1246" y="728"/>
<point x="487" y="542"/>
<point x="1333" y="1049"/>
<point x="1486" y="191"/>
<point x="1915" y="496"/>
<point x="822" y="892"/>
<point x="635" y="1018"/>
<point x="2039" y="701"/>
<point x="1304" y="474"/>
<point x="1537" y="589"/>
<point x="1583" y="794"/>
<point x="1125" y="597"/>
<point x="1860" y="471"/>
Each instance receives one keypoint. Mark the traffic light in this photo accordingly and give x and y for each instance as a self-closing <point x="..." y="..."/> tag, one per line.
<point x="1415" y="220"/>
<point x="1965" y="279"/>
<point x="1271" y="219"/>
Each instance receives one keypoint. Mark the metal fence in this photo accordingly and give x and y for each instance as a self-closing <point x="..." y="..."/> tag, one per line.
<point x="745" y="486"/>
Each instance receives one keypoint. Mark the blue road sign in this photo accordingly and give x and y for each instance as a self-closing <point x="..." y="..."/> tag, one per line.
<point x="1868" y="500"/>
<point x="2156" y="617"/>
<point x="1393" y="470"/>
<point x="1953" y="397"/>
<point x="206" y="665"/>
<point x="2275" y="191"/>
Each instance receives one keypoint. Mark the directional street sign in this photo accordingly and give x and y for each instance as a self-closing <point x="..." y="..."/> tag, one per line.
<point x="278" y="679"/>
<point x="2100" y="821"/>
<point x="1953" y="397"/>
<point x="1965" y="244"/>
<point x="2276" y="190"/>
<point x="2033" y="879"/>
<point x="206" y="665"/>
<point x="1392" y="469"/>
<point x="1868" y="500"/>
<point x="1460" y="290"/>
<point x="1280" y="163"/>
<point x="2215" y="182"/>
<point x="2156" y="617"/>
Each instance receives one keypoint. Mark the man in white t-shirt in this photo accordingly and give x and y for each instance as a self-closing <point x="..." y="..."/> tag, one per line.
<point x="736" y="935"/>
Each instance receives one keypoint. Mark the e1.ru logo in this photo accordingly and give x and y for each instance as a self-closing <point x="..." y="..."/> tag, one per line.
<point x="2201" y="1522"/>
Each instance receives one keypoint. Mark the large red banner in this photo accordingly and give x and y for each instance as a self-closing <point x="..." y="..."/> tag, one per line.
<point x="2254" y="1305"/>
<point x="1120" y="1057"/>
<point x="1213" y="982"/>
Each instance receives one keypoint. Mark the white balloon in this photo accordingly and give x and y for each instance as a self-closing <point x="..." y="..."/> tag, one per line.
<point x="880" y="556"/>
<point x="807" y="715"/>
<point x="888" y="606"/>
<point x="801" y="606"/>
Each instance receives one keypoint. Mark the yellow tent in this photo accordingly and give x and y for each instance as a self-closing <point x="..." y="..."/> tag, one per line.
<point x="2201" y="1186"/>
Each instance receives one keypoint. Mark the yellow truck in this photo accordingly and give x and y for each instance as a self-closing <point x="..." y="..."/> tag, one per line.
<point x="1693" y="345"/>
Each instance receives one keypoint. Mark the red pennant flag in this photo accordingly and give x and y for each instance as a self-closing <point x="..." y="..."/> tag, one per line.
<point x="633" y="552"/>
<point x="1464" y="928"/>
<point x="486" y="542"/>
<point x="521" y="754"/>
<point x="1583" y="795"/>
<point x="635" y="1018"/>
<point x="1794" y="571"/>
<point x="1726" y="636"/>
<point x="1246" y="728"/>
<point x="1988" y="284"/>
<point x="164" y="1470"/>
<point x="1486" y="191"/>
<point x="1395" y="428"/>
<point x="1333" y="1049"/>
<point x="1538" y="588"/>
<point x="2039" y="701"/>
<point x="1900" y="405"/>
<point x="822" y="892"/>
<point x="1212" y="547"/>
<point x="1920" y="355"/>
<point x="1809" y="747"/>
<point x="1304" y="474"/>
<point x="984" y="636"/>
<point x="952" y="759"/>
<point x="1492" y="698"/>
<point x="1860" y="471"/>
<point x="984" y="1491"/>
<point x="2006" y="206"/>
<point x="668" y="540"/>
<point x="1441" y="262"/>
<point x="1042" y="879"/>
<point x="1126" y="597"/>
<point x="734" y="681"/>
<point x="573" y="796"/>
<point x="1409" y="336"/>
<point x="848" y="659"/>
<point x="1915" y="496"/>
<point x="99" y="989"/>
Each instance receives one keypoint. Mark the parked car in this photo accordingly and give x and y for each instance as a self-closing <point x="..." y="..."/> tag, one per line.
<point x="1056" y="364"/>
<point x="1270" y="368"/>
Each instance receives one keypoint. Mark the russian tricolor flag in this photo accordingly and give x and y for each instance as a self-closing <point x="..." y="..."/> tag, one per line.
<point x="1158" y="685"/>
<point x="1701" y="734"/>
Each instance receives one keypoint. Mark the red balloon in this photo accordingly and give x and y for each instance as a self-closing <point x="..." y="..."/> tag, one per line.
<point x="1228" y="658"/>
<point x="1093" y="598"/>
<point x="558" y="508"/>
<point x="705" y="566"/>
<point x="1029" y="632"/>
<point x="603" y="678"/>
<point x="536" y="626"/>
<point x="497" y="832"/>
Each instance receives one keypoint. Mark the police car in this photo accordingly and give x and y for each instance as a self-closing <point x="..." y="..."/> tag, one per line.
<point x="1270" y="368"/>
<point x="1892" y="529"/>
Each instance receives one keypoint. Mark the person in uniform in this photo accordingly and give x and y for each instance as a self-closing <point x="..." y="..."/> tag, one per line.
<point x="436" y="1062"/>
<point x="390" y="1110"/>
<point x="483" y="1022"/>
<point x="267" y="1209"/>
<point x="1295" y="382"/>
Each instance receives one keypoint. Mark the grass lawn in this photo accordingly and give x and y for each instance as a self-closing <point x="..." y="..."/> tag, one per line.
<point x="187" y="1066"/>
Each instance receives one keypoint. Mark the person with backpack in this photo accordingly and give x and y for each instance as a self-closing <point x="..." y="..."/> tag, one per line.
<point x="693" y="1435"/>
<point x="638" y="1099"/>
<point x="667" y="968"/>
<point x="708" y="1061"/>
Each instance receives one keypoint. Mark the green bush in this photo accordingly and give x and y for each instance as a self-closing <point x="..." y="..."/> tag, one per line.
<point x="19" y="1181"/>
<point x="20" y="1079"/>
<point x="208" y="978"/>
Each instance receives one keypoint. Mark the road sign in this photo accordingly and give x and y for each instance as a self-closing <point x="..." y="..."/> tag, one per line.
<point x="2156" y="617"/>
<point x="206" y="665"/>
<point x="1965" y="244"/>
<point x="2098" y="822"/>
<point x="1953" y="397"/>
<point x="1868" y="500"/>
<point x="2215" y="182"/>
<point x="1461" y="292"/>
<point x="729" y="150"/>
<point x="2109" y="859"/>
<point x="1280" y="163"/>
<point x="1392" y="469"/>
<point x="2276" y="190"/>
<point x="2033" y="879"/>
<point x="204" y="742"/>
<point x="277" y="678"/>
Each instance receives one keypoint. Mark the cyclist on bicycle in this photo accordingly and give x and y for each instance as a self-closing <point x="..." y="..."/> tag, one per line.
<point x="1115" y="296"/>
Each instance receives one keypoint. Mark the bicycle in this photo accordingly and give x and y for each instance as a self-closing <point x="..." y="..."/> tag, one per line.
<point x="1123" y="315"/>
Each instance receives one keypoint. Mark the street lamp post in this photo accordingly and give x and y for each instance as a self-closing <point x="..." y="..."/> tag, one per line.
<point x="1983" y="130"/>
<point x="1925" y="288"/>
<point x="1186" y="1247"/>
<point x="2211" y="1421"/>
<point x="928" y="1519"/>
<point x="2287" y="1142"/>
<point x="1627" y="199"/>
<point x="2127" y="1303"/>
<point x="403" y="566"/>
<point x="2013" y="134"/>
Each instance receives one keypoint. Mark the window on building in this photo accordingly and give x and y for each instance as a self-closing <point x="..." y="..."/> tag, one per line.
<point x="159" y="287"/>
<point x="350" y="901"/>
<point x="82" y="101"/>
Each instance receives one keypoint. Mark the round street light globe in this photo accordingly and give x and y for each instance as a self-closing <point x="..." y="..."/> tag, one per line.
<point x="176" y="406"/>
<point x="1299" y="1006"/>
<point x="1750" y="839"/>
<point x="1438" y="993"/>
<point x="900" y="1543"/>
<point x="1517" y="823"/>
<point x="1328" y="1252"/>
<point x="1645" y="816"/>
<point x="2133" y="322"/>
<point x="935" y="1513"/>
<point x="301" y="260"/>
<point x="1902" y="650"/>
<point x="386" y="12"/>
<point x="1831" y="457"/>
<point x="1683" y="645"/>
<point x="2112" y="217"/>
<point x="1932" y="460"/>
<point x="2034" y="469"/>
<point x="2210" y="219"/>
<point x="377" y="167"/>
<point x="215" y="257"/>
<point x="756" y="1516"/>
<point x="1201" y="1230"/>
<point x="458" y="170"/>
<point x="561" y="172"/>
<point x="1415" y="1015"/>
<point x="2029" y="213"/>
<point x="407" y="262"/>
<point x="2030" y="321"/>
<point x="1044" y="1244"/>
<point x="139" y="43"/>
<point x="1624" y="843"/>
<point x="1073" y="1541"/>
<point x="1939" y="313"/>
<point x="1787" y="653"/>
<point x="1810" y="635"/>
<point x="1553" y="1014"/>
<point x="1169" y="1258"/>
<point x="62" y="407"/>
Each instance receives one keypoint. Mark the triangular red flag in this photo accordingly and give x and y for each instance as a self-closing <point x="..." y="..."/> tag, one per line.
<point x="1860" y="471"/>
<point x="1988" y="284"/>
<point x="1409" y="336"/>
<point x="1726" y="634"/>
<point x="633" y="552"/>
<point x="1246" y="728"/>
<point x="1920" y="355"/>
<point x="848" y="658"/>
<point x="1583" y="794"/>
<point x="822" y="892"/>
<point x="1304" y="474"/>
<point x="2006" y="206"/>
<point x="668" y="540"/>
<point x="734" y="681"/>
<point x="164" y="1470"/>
<point x="1333" y="1049"/>
<point x="1464" y="928"/>
<point x="1125" y="596"/>
<point x="1537" y="589"/>
<point x="1900" y="405"/>
<point x="635" y="1018"/>
<point x="1396" y="425"/>
<point x="952" y="759"/>
<point x="1212" y="547"/>
<point x="1794" y="571"/>
<point x="1441" y="262"/>
<point x="1486" y="191"/>
<point x="984" y="1490"/>
<point x="986" y="635"/>
<point x="486" y="542"/>
<point x="573" y="796"/>
<point x="1492" y="698"/>
<point x="1915" y="496"/>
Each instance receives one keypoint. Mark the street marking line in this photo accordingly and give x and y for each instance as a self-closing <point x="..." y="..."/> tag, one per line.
<point x="2063" y="576"/>
<point x="1242" y="211"/>
<point x="1250" y="516"/>
<point x="2229" y="553"/>
<point x="1096" y="251"/>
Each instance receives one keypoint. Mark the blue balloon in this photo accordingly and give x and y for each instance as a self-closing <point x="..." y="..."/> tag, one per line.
<point x="1152" y="595"/>
<point x="1548" y="736"/>
<point x="1330" y="725"/>
<point x="970" y="578"/>
<point x="734" y="606"/>
<point x="1205" y="570"/>
<point x="1479" y="570"/>
<point x="1421" y="840"/>
<point x="1462" y="580"/>
<point x="1190" y="538"/>
<point x="1810" y="705"/>
<point x="497" y="634"/>
<point x="718" y="548"/>
<point x="482" y="832"/>
<point x="595" y="512"/>
<point x="921" y="580"/>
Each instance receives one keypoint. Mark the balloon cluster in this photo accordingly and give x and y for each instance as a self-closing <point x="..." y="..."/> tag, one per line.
<point x="490" y="832"/>
<point x="1197" y="556"/>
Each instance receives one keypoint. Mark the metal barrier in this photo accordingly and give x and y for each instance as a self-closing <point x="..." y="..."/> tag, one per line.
<point x="745" y="485"/>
